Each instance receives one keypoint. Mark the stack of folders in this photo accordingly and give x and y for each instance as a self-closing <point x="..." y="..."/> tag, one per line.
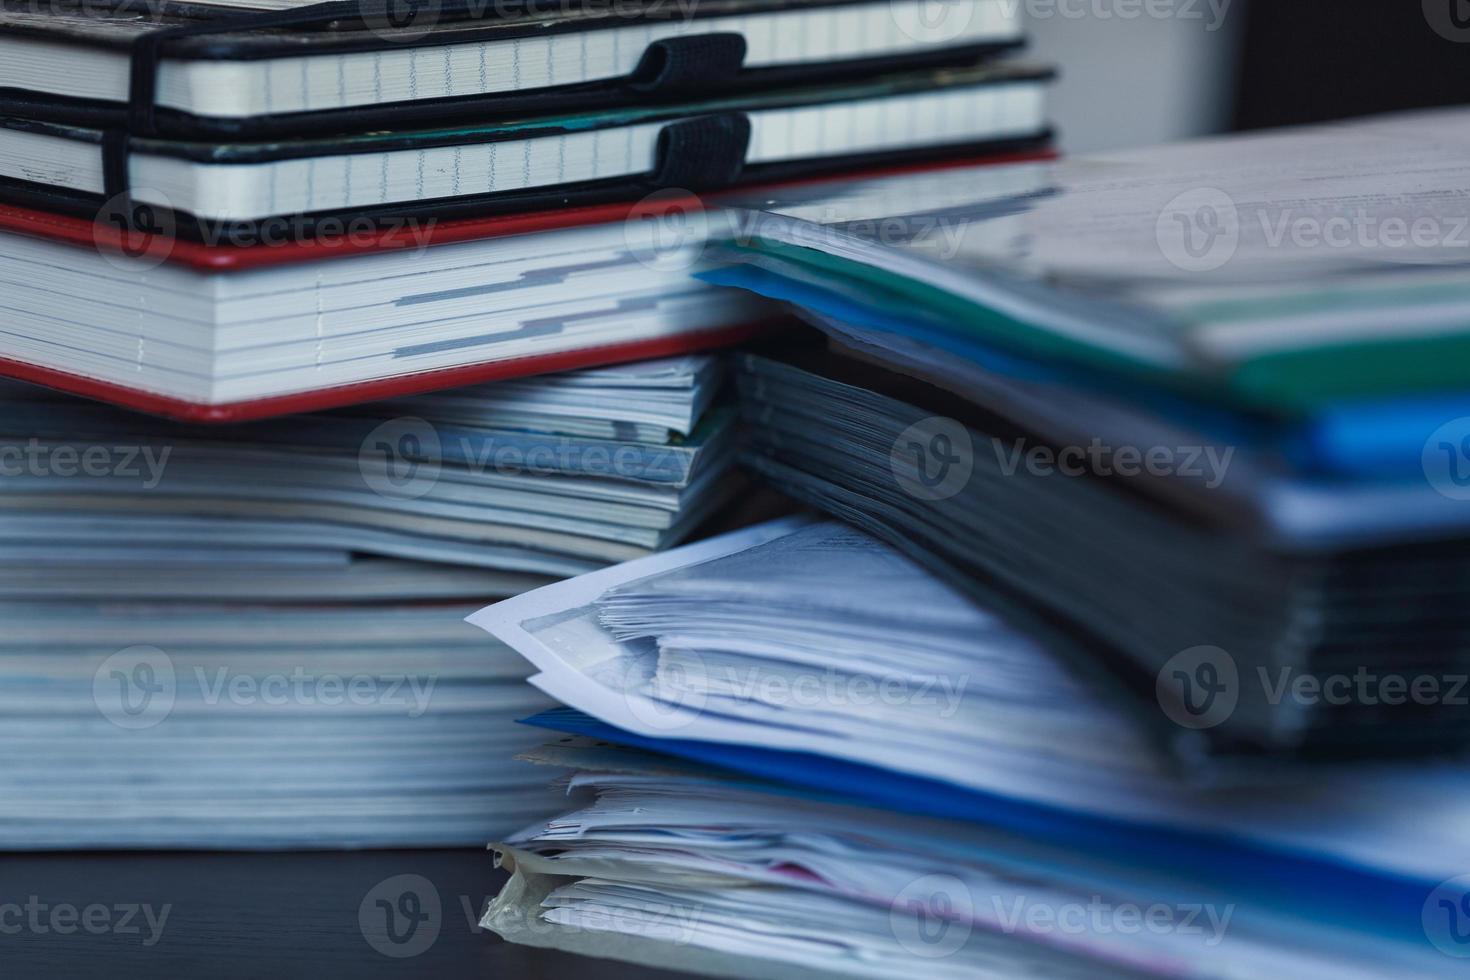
<point x="232" y="209"/>
<point x="1197" y="416"/>
<point x="251" y="635"/>
<point x="794" y="752"/>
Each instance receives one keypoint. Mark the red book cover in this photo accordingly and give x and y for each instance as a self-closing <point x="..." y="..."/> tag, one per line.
<point x="224" y="259"/>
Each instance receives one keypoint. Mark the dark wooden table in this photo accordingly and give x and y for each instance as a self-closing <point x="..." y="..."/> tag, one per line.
<point x="320" y="916"/>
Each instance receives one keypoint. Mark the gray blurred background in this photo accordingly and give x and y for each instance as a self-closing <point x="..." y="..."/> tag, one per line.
<point x="1130" y="77"/>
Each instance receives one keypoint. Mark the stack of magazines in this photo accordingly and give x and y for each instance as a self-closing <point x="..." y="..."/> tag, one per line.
<point x="251" y="636"/>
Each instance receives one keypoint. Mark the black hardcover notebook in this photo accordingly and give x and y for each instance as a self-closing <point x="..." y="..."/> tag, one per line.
<point x="528" y="164"/>
<point x="249" y="67"/>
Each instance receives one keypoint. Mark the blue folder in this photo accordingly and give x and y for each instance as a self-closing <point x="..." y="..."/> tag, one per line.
<point x="1358" y="897"/>
<point x="1354" y="440"/>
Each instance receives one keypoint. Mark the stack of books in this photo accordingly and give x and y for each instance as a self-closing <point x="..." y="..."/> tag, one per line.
<point x="181" y="192"/>
<point x="381" y="319"/>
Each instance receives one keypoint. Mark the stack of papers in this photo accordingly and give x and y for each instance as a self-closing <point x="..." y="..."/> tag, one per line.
<point x="708" y="642"/>
<point x="252" y="636"/>
<point x="1029" y="831"/>
<point x="1237" y="442"/>
<point x="1284" y="272"/>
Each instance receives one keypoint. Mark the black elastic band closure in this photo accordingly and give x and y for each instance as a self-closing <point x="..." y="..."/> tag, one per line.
<point x="703" y="153"/>
<point x="683" y="64"/>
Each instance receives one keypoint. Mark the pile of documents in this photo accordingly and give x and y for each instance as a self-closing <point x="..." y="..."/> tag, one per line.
<point x="1141" y="650"/>
<point x="252" y="636"/>
<point x="821" y="802"/>
<point x="1195" y="439"/>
